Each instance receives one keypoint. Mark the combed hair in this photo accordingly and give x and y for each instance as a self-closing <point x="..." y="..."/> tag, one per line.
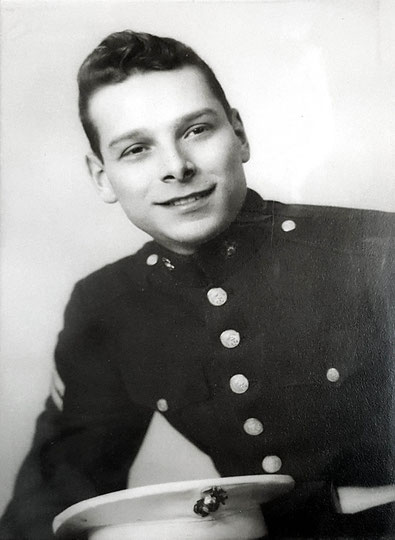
<point x="123" y="53"/>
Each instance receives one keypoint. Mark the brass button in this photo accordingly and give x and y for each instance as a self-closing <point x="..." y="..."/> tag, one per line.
<point x="288" y="225"/>
<point x="152" y="259"/>
<point x="162" y="405"/>
<point x="217" y="296"/>
<point x="252" y="426"/>
<point x="230" y="339"/>
<point x="271" y="464"/>
<point x="332" y="375"/>
<point x="239" y="384"/>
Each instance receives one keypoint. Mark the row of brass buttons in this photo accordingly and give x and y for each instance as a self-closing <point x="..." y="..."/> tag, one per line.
<point x="239" y="383"/>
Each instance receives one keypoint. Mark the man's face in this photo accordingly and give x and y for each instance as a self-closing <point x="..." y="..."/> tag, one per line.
<point x="171" y="157"/>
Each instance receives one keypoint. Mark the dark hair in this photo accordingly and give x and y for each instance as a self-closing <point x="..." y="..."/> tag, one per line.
<point x="123" y="53"/>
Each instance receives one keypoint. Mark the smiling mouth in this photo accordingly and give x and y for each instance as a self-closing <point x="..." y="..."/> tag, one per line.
<point x="181" y="201"/>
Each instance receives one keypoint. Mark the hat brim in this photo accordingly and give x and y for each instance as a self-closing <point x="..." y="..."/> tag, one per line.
<point x="171" y="504"/>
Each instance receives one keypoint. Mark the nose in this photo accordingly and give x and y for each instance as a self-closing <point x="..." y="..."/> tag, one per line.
<point x="176" y="166"/>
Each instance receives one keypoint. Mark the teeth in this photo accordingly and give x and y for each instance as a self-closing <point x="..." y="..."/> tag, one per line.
<point x="180" y="202"/>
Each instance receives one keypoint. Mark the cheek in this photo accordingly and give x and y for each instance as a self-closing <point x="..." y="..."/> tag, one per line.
<point x="219" y="156"/>
<point x="229" y="153"/>
<point x="129" y="184"/>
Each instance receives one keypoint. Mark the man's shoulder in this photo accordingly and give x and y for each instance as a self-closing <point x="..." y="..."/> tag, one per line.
<point x="331" y="211"/>
<point x="113" y="281"/>
<point x="339" y="228"/>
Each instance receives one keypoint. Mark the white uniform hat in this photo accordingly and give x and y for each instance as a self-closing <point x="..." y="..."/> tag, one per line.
<point x="213" y="509"/>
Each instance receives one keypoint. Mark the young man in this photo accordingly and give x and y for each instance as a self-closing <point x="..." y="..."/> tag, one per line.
<point x="261" y="331"/>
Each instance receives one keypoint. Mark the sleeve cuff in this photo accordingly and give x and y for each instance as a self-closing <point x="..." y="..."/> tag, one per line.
<point x="376" y="522"/>
<point x="312" y="509"/>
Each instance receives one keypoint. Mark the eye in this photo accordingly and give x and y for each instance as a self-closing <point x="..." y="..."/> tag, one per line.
<point x="197" y="130"/>
<point x="135" y="150"/>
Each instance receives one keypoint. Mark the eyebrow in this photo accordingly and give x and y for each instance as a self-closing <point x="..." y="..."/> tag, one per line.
<point x="142" y="132"/>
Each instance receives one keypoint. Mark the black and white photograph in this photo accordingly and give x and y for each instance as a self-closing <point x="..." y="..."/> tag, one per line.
<point x="197" y="277"/>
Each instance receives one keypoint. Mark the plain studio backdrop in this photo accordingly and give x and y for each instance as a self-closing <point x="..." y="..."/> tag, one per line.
<point x="314" y="83"/>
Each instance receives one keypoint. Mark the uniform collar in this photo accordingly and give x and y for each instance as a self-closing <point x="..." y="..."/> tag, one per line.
<point x="217" y="259"/>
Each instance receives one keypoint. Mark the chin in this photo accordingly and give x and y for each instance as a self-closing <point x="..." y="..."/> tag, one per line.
<point x="201" y="235"/>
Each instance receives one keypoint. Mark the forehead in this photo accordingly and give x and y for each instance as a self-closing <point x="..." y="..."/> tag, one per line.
<point x="151" y="100"/>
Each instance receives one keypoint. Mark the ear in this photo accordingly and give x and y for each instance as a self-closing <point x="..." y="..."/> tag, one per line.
<point x="100" y="179"/>
<point x="238" y="128"/>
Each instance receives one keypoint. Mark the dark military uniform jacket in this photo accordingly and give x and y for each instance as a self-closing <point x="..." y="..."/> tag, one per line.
<point x="271" y="349"/>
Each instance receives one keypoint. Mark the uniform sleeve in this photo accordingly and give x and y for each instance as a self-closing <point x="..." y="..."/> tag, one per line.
<point x="381" y="282"/>
<point x="314" y="505"/>
<point x="85" y="440"/>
